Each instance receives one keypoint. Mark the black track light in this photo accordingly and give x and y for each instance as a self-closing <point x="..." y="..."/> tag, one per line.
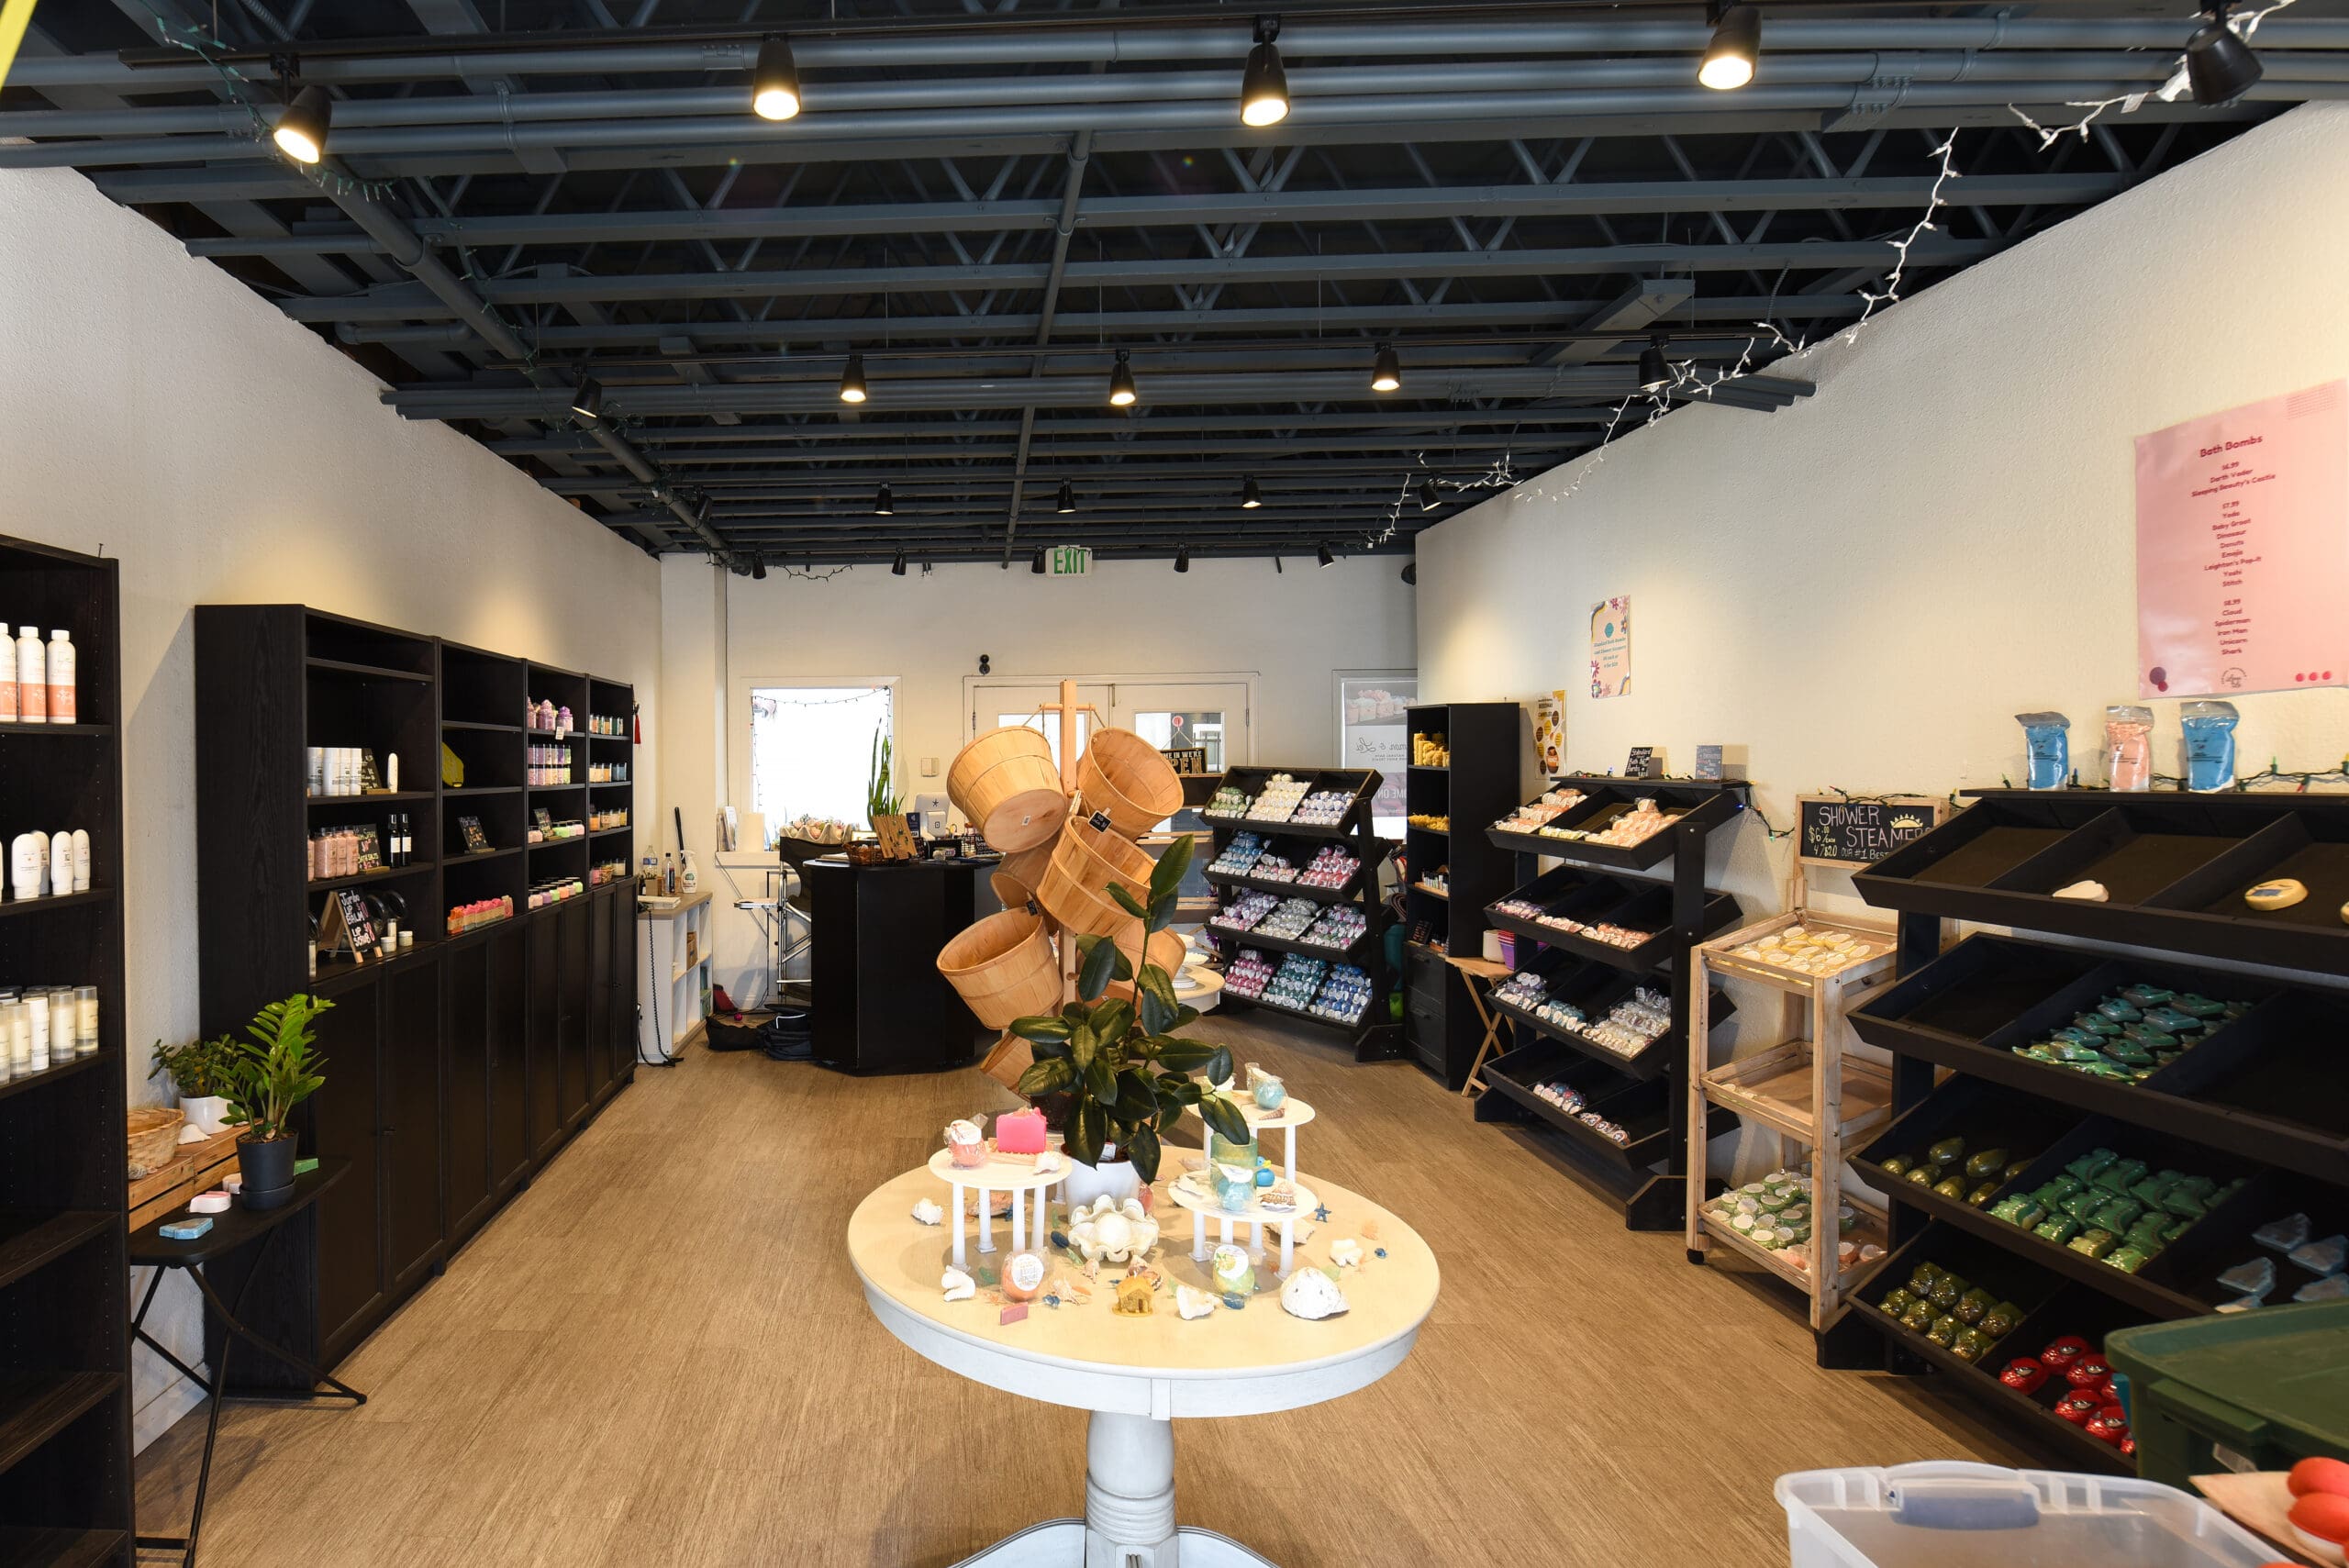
<point x="1035" y="563"/>
<point x="883" y="507"/>
<point x="1736" y="46"/>
<point x="1251" y="496"/>
<point x="774" y="84"/>
<point x="587" y="397"/>
<point x="1411" y="574"/>
<point x="1067" y="502"/>
<point x="1430" y="497"/>
<point x="701" y="511"/>
<point x="897" y="567"/>
<point x="758" y="568"/>
<point x="852" y="380"/>
<point x="1183" y="558"/>
<point x="1121" y="382"/>
<point x="1385" y="371"/>
<point x="1263" y="88"/>
<point x="2219" y="65"/>
<point x="301" y="132"/>
<point x="1654" y="374"/>
<point x="1322" y="557"/>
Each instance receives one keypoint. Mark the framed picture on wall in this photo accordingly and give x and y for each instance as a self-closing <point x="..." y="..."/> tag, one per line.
<point x="1373" y="731"/>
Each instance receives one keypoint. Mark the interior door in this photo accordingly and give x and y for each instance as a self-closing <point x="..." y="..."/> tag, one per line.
<point x="994" y="707"/>
<point x="1212" y="716"/>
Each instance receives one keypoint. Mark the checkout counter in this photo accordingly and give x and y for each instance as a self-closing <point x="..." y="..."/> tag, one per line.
<point x="880" y="1005"/>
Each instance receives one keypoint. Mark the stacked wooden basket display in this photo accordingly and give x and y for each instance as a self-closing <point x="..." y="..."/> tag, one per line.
<point x="1061" y="850"/>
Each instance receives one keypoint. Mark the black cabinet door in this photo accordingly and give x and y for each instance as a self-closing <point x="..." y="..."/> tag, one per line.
<point x="411" y="1044"/>
<point x="346" y="1125"/>
<point x="509" y="1061"/>
<point x="465" y="1153"/>
<point x="571" y="1010"/>
<point x="545" y="987"/>
<point x="599" y="995"/>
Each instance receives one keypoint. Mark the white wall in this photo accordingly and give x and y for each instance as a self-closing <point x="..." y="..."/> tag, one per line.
<point x="1291" y="630"/>
<point x="155" y="409"/>
<point x="1864" y="588"/>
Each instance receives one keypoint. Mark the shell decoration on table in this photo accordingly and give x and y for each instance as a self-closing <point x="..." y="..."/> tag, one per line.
<point x="958" y="1286"/>
<point x="1107" y="1231"/>
<point x="1346" y="1252"/>
<point x="928" y="1212"/>
<point x="1311" y="1295"/>
<point x="1191" y="1302"/>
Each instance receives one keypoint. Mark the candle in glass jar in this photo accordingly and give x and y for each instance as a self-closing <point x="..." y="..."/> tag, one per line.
<point x="37" y="1014"/>
<point x="85" y="1021"/>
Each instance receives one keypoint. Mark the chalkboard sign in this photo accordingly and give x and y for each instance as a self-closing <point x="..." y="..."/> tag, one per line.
<point x="348" y="925"/>
<point x="1836" y="831"/>
<point x="1641" y="763"/>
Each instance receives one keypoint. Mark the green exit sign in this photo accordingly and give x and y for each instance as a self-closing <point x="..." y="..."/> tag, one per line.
<point x="1071" y="561"/>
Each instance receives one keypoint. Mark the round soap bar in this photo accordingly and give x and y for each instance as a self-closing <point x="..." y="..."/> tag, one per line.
<point x="2281" y="894"/>
<point x="1023" y="1276"/>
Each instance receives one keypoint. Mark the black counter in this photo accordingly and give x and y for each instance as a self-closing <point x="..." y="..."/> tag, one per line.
<point x="880" y="1003"/>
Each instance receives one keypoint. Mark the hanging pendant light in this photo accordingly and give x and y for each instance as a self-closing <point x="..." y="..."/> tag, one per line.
<point x="1036" y="564"/>
<point x="1323" y="557"/>
<point x="1121" y="382"/>
<point x="1736" y="46"/>
<point x="1263" y="87"/>
<point x="1655" y="373"/>
<point x="774" y="84"/>
<point x="587" y="398"/>
<point x="883" y="507"/>
<point x="1386" y="372"/>
<point x="2220" y="66"/>
<point x="1430" y="497"/>
<point x="852" y="380"/>
<point x="758" y="568"/>
<point x="1183" y="558"/>
<point x="1251" y="496"/>
<point x="897" y="567"/>
<point x="1067" y="502"/>
<point x="301" y="132"/>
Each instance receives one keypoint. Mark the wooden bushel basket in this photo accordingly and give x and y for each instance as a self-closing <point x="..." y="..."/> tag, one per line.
<point x="1003" y="968"/>
<point x="1006" y="782"/>
<point x="1126" y="776"/>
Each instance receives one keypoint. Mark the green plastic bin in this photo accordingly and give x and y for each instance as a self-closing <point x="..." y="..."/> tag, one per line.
<point x="2270" y="1387"/>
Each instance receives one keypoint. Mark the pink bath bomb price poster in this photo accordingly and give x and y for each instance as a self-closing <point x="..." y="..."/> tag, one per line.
<point x="2243" y="548"/>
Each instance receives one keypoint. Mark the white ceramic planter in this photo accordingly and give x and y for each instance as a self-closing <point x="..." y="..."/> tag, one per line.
<point x="207" y="1113"/>
<point x="1116" y="1179"/>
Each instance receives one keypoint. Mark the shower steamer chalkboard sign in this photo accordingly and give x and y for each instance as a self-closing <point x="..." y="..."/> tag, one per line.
<point x="1841" y="832"/>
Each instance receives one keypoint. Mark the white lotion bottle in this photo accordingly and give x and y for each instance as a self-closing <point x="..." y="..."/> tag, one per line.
<point x="61" y="861"/>
<point x="7" y="684"/>
<point x="32" y="677"/>
<point x="80" y="860"/>
<point x="62" y="704"/>
<point x="24" y="865"/>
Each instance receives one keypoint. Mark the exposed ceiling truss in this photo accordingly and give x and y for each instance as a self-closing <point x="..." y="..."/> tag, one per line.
<point x="990" y="200"/>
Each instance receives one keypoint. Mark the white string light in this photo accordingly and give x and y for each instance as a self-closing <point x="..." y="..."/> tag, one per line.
<point x="2130" y="103"/>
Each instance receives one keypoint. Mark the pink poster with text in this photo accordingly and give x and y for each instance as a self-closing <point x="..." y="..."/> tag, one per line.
<point x="2243" y="548"/>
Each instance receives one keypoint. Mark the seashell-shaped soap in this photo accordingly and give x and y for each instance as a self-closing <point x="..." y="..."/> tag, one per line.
<point x="1311" y="1295"/>
<point x="1192" y="1302"/>
<point x="928" y="1212"/>
<point x="958" y="1286"/>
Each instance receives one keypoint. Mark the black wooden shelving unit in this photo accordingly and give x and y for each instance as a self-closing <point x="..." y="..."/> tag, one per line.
<point x="2257" y="1098"/>
<point x="1478" y="783"/>
<point x="65" y="1424"/>
<point x="1374" y="1035"/>
<point x="1647" y="1094"/>
<point x="456" y="1068"/>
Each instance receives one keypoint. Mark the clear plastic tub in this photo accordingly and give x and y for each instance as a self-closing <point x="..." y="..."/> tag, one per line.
<point x="1952" y="1515"/>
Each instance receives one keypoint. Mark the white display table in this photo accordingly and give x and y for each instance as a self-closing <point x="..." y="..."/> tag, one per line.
<point x="1135" y="1374"/>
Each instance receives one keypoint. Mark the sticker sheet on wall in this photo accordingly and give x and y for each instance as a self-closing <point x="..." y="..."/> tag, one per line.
<point x="1550" y="733"/>
<point x="1610" y="647"/>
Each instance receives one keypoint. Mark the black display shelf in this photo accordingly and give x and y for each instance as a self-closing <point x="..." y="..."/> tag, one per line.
<point x="1345" y="894"/>
<point x="25" y="1082"/>
<point x="22" y="729"/>
<point x="1484" y="743"/>
<point x="1702" y="805"/>
<point x="37" y="1406"/>
<point x="2174" y="864"/>
<point x="1311" y="1018"/>
<point x="372" y="797"/>
<point x="344" y="667"/>
<point x="2251" y="1088"/>
<point x="610" y="832"/>
<point x="1290" y="944"/>
<point x="1654" y="1061"/>
<point x="34" y="1547"/>
<point x="1637" y="905"/>
<point x="94" y="894"/>
<point x="28" y="1240"/>
<point x="472" y="857"/>
<point x="471" y="791"/>
<point x="1637" y="1104"/>
<point x="2051" y="1310"/>
<point x="478" y="725"/>
<point x="382" y="874"/>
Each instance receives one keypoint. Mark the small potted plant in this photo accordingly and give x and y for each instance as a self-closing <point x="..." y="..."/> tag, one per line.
<point x="204" y="1071"/>
<point x="1112" y="1071"/>
<point x="274" y="1072"/>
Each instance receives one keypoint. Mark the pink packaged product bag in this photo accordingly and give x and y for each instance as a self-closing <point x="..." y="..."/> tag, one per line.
<point x="2129" y="746"/>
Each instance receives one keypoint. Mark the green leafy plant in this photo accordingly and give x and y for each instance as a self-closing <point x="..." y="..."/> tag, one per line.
<point x="200" y="1069"/>
<point x="878" y="800"/>
<point x="276" y="1070"/>
<point x="1128" y="1076"/>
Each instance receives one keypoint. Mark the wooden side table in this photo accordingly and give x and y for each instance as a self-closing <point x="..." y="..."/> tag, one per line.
<point x="1492" y="974"/>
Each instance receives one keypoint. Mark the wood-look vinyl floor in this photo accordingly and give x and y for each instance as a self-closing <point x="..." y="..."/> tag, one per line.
<point x="659" y="1355"/>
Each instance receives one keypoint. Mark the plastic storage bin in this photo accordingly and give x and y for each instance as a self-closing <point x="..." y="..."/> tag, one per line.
<point x="2270" y="1386"/>
<point x="1952" y="1515"/>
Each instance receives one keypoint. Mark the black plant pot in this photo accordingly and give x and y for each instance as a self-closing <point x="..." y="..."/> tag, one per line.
<point x="268" y="1168"/>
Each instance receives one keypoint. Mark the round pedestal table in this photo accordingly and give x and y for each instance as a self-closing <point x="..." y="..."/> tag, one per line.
<point x="1134" y="1376"/>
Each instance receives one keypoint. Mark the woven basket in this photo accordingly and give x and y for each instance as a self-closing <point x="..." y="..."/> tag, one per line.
<point x="153" y="1140"/>
<point x="1128" y="777"/>
<point x="1003" y="968"/>
<point x="1006" y="782"/>
<point x="1015" y="880"/>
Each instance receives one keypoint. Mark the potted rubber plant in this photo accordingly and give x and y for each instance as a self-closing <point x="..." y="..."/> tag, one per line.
<point x="1110" y="1069"/>
<point x="276" y="1069"/>
<point x="203" y="1073"/>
